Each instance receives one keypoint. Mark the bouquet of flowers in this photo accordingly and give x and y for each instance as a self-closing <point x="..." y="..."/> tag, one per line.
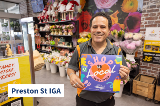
<point x="70" y="26"/>
<point x="129" y="46"/>
<point x="133" y="36"/>
<point x="131" y="64"/>
<point x="117" y="35"/>
<point x="85" y="36"/>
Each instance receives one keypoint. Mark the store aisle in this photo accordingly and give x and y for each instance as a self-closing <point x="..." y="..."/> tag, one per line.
<point x="45" y="77"/>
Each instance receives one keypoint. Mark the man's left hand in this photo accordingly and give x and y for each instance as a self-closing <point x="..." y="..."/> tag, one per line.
<point x="124" y="72"/>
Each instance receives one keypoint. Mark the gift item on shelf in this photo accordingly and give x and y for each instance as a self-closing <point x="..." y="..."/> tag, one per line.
<point x="70" y="8"/>
<point x="9" y="52"/>
<point x="43" y="48"/>
<point x="47" y="36"/>
<point x="64" y="30"/>
<point x="70" y="28"/>
<point x="43" y="40"/>
<point x="55" y="11"/>
<point x="41" y="28"/>
<point x="60" y="30"/>
<point x="52" y="28"/>
<point x="46" y="28"/>
<point x="61" y="42"/>
<point x="43" y="16"/>
<point x="49" y="49"/>
<point x="56" y="41"/>
<point x="62" y="9"/>
<point x="49" y="12"/>
<point x="40" y="17"/>
<point x="37" y="37"/>
<point x="52" y="42"/>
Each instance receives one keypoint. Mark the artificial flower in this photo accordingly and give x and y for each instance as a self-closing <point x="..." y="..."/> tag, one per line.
<point x="132" y="22"/>
<point x="104" y="3"/>
<point x="129" y="6"/>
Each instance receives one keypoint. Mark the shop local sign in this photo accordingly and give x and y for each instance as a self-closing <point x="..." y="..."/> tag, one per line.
<point x="101" y="72"/>
<point x="9" y="70"/>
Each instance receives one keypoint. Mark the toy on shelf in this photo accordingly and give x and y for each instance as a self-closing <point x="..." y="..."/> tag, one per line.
<point x="39" y="17"/>
<point x="46" y="28"/>
<point x="47" y="36"/>
<point x="62" y="9"/>
<point x="43" y="40"/>
<point x="49" y="12"/>
<point x="9" y="52"/>
<point x="70" y="28"/>
<point x="37" y="37"/>
<point x="64" y="30"/>
<point x="49" y="49"/>
<point x="52" y="28"/>
<point x="70" y="8"/>
<point x="55" y="11"/>
<point x="44" y="15"/>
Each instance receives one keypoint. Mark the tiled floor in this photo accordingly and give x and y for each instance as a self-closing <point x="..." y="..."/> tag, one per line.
<point x="45" y="77"/>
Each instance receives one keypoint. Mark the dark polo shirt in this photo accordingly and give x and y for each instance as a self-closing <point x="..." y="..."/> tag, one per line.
<point x="86" y="48"/>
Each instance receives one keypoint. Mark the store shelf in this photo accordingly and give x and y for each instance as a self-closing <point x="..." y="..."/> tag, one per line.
<point x="58" y="46"/>
<point x="44" y="31"/>
<point x="60" y="35"/>
<point x="44" y="51"/>
<point x="57" y="22"/>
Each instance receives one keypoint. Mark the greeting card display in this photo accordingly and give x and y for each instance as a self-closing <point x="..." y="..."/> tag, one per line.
<point x="101" y="72"/>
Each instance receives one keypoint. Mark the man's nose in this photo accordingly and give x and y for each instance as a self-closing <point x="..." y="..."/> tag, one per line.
<point x="98" y="30"/>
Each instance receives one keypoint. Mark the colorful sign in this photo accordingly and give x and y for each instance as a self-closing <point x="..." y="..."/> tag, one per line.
<point x="14" y="71"/>
<point x="152" y="40"/>
<point x="101" y="72"/>
<point x="152" y="45"/>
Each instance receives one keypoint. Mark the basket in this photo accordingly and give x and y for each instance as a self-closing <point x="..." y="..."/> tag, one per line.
<point x="144" y="85"/>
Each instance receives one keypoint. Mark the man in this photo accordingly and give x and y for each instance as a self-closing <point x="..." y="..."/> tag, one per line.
<point x="100" y="25"/>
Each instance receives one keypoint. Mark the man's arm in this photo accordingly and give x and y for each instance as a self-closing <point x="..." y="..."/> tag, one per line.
<point x="71" y="71"/>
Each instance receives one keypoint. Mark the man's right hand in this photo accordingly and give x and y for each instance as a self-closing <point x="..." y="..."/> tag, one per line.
<point x="75" y="81"/>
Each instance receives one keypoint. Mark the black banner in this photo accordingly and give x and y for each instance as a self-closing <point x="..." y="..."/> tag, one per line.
<point x="151" y="57"/>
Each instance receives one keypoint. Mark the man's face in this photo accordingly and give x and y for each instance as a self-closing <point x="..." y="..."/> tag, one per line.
<point x="99" y="29"/>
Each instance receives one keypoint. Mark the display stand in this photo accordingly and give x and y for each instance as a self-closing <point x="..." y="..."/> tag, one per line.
<point x="22" y="76"/>
<point x="23" y="73"/>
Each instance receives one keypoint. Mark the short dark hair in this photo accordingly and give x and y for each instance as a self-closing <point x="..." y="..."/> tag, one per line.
<point x="103" y="15"/>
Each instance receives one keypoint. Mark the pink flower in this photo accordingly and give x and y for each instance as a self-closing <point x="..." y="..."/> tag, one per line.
<point x="104" y="3"/>
<point x="129" y="66"/>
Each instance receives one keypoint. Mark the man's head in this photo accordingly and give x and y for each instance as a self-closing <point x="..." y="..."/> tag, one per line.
<point x="100" y="25"/>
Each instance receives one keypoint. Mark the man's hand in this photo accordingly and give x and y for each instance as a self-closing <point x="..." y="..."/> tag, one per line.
<point x="124" y="72"/>
<point x="75" y="81"/>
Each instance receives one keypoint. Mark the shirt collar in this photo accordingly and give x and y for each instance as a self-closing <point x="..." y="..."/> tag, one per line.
<point x="109" y="44"/>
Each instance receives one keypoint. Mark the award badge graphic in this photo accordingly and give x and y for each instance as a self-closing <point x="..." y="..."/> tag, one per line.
<point x="101" y="72"/>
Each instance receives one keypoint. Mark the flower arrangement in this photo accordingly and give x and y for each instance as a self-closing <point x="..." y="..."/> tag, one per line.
<point x="131" y="64"/>
<point x="64" y="26"/>
<point x="52" y="27"/>
<point x="70" y="26"/>
<point x="117" y="35"/>
<point x="85" y="36"/>
<point x="134" y="36"/>
<point x="130" y="46"/>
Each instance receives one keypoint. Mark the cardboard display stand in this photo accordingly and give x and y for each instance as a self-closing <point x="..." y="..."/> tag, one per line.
<point x="14" y="70"/>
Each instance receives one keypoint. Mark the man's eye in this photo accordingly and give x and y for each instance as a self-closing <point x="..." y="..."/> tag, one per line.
<point x="103" y="27"/>
<point x="94" y="26"/>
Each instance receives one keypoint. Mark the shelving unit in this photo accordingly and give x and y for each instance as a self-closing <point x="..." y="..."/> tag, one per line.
<point x="68" y="38"/>
<point x="58" y="46"/>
